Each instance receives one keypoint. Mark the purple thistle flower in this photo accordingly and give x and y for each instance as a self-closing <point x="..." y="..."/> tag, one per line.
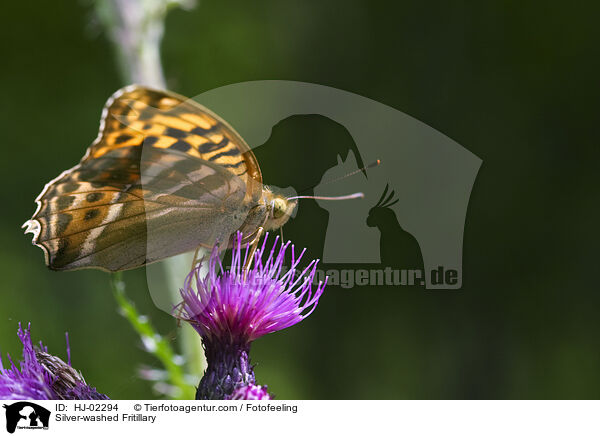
<point x="42" y="376"/>
<point x="250" y="392"/>
<point x="32" y="381"/>
<point x="232" y="308"/>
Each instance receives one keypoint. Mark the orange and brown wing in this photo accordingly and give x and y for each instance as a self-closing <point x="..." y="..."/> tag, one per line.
<point x="137" y="115"/>
<point x="160" y="163"/>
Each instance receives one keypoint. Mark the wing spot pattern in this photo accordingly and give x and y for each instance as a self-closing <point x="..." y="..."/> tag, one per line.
<point x="65" y="201"/>
<point x="181" y="146"/>
<point x="91" y="214"/>
<point x="94" y="196"/>
<point x="122" y="138"/>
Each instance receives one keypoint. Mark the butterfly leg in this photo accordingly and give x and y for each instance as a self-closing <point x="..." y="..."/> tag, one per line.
<point x="253" y="246"/>
<point x="195" y="259"/>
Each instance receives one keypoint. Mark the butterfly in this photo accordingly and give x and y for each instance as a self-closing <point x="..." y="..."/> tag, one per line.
<point x="164" y="176"/>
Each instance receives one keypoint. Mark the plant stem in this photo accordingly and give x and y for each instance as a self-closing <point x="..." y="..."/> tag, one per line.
<point x="136" y="28"/>
<point x="154" y="343"/>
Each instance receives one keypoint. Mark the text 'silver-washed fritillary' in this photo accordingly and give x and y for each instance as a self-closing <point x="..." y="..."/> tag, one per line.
<point x="164" y="176"/>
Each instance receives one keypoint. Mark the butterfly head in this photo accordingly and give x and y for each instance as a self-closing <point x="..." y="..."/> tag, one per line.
<point x="279" y="210"/>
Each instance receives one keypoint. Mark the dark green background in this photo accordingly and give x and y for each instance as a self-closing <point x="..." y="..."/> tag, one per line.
<point x="514" y="82"/>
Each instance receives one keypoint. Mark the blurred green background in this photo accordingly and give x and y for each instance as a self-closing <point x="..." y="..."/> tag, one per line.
<point x="516" y="83"/>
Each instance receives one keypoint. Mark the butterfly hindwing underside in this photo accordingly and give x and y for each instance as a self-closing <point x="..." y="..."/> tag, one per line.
<point x="164" y="176"/>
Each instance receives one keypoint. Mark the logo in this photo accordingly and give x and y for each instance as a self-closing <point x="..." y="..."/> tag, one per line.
<point x="26" y="415"/>
<point x="408" y="228"/>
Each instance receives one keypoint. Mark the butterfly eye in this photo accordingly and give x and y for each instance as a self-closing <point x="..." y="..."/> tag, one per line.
<point x="279" y="208"/>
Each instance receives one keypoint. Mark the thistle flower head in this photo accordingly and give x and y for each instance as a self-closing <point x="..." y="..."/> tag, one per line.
<point x="42" y="376"/>
<point x="32" y="381"/>
<point x="230" y="309"/>
<point x="239" y="306"/>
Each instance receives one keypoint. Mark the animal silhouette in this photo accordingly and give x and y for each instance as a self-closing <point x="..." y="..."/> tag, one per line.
<point x="433" y="174"/>
<point x="398" y="248"/>
<point x="32" y="411"/>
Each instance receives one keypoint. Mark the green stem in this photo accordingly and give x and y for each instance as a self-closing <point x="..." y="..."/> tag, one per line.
<point x="153" y="342"/>
<point x="175" y="269"/>
<point x="136" y="28"/>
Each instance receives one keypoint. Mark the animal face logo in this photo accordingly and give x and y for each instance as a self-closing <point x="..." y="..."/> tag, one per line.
<point x="26" y="415"/>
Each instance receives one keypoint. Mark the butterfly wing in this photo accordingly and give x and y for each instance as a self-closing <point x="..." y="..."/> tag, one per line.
<point x="164" y="176"/>
<point x="137" y="115"/>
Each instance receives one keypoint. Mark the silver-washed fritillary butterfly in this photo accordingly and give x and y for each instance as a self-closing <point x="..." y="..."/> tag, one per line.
<point x="164" y="176"/>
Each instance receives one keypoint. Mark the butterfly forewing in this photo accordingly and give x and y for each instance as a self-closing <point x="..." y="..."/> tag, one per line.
<point x="164" y="176"/>
<point x="165" y="120"/>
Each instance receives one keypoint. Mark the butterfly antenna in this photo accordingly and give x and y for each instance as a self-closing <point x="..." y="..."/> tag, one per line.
<point x="341" y="197"/>
<point x="337" y="179"/>
<point x="360" y="170"/>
